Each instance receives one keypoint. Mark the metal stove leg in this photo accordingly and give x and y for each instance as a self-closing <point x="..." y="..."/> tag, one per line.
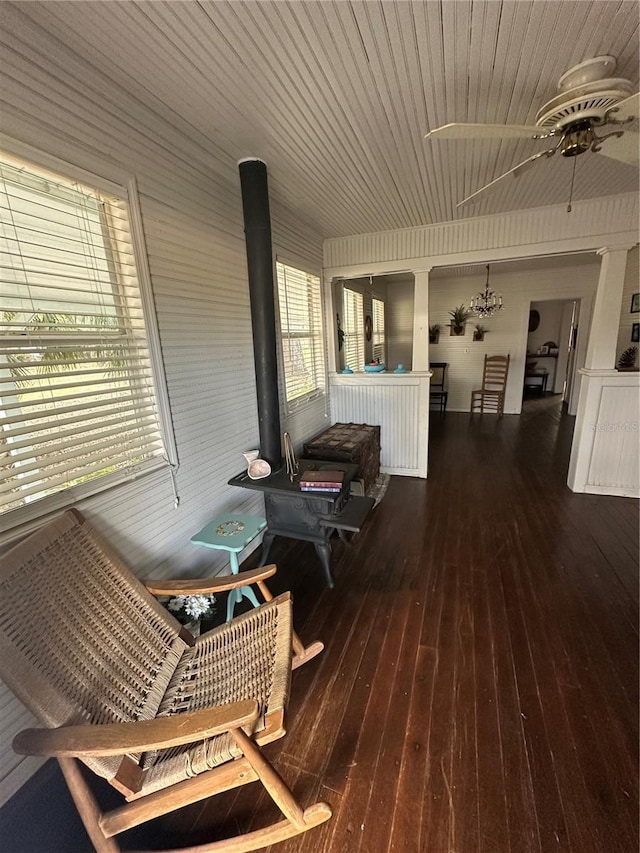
<point x="323" y="550"/>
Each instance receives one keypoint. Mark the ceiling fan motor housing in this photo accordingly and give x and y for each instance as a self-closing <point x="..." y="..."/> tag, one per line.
<point x="588" y="98"/>
<point x="585" y="94"/>
<point x="577" y="139"/>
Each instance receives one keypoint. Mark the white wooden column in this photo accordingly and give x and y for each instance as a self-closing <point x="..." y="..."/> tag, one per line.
<point x="420" y="358"/>
<point x="603" y="336"/>
<point x="596" y="423"/>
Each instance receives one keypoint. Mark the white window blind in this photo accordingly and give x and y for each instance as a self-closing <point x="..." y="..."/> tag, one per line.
<point x="353" y="329"/>
<point x="301" y="333"/>
<point x="77" y="394"/>
<point x="377" y="337"/>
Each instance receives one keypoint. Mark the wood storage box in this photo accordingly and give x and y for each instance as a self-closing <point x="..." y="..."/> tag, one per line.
<point x="356" y="443"/>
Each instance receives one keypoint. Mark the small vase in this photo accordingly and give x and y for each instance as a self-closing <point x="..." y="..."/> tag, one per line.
<point x="193" y="627"/>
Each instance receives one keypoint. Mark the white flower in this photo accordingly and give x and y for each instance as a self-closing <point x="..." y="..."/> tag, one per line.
<point x="196" y="605"/>
<point x="193" y="607"/>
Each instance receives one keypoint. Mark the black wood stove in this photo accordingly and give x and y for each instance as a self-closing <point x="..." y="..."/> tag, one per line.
<point x="311" y="516"/>
<point x="289" y="511"/>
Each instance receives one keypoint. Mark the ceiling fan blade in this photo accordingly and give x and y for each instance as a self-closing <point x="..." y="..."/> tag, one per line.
<point x="516" y="171"/>
<point x="626" y="149"/>
<point x="457" y="130"/>
<point x="628" y="108"/>
<point x="526" y="164"/>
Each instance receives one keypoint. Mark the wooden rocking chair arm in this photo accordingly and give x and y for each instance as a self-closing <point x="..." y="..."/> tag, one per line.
<point x="204" y="586"/>
<point x="139" y="736"/>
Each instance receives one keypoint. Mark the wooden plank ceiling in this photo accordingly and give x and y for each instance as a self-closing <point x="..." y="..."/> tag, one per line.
<point x="337" y="96"/>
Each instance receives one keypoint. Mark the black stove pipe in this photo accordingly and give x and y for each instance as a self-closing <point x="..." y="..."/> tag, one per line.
<point x="257" y="230"/>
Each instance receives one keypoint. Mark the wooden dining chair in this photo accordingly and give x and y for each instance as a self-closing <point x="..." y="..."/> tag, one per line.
<point x="106" y="669"/>
<point x="437" y="393"/>
<point x="490" y="398"/>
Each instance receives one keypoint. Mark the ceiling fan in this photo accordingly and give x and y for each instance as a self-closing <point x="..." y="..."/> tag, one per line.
<point x="588" y="98"/>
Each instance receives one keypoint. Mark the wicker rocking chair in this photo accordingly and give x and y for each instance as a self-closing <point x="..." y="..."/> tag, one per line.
<point x="105" y="667"/>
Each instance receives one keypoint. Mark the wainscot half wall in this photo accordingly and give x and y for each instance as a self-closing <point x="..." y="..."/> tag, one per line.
<point x="605" y="458"/>
<point x="399" y="403"/>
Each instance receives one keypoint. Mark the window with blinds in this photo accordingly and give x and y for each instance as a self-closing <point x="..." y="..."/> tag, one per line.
<point x="300" y="302"/>
<point x="353" y="329"/>
<point x="77" y="392"/>
<point x="377" y="335"/>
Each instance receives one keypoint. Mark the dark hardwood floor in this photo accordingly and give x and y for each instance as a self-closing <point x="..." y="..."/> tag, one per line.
<point x="478" y="689"/>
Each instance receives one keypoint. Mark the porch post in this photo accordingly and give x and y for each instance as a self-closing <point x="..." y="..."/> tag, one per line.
<point x="420" y="355"/>
<point x="420" y="358"/>
<point x="595" y="416"/>
<point x="603" y="336"/>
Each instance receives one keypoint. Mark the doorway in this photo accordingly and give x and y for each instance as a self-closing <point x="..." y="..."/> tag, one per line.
<point x="552" y="342"/>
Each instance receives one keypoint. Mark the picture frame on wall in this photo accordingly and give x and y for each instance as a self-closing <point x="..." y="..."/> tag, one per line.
<point x="635" y="333"/>
<point x="635" y="303"/>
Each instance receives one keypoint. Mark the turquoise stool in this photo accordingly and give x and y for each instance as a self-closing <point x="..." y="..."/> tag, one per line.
<point x="232" y="533"/>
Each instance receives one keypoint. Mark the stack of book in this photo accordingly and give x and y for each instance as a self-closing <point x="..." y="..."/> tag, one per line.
<point x="322" y="481"/>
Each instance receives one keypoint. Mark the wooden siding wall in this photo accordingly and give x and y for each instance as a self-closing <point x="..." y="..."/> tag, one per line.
<point x="508" y="329"/>
<point x="192" y="216"/>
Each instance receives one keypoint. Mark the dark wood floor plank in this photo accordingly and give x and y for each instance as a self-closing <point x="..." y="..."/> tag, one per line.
<point x="555" y="615"/>
<point x="470" y="827"/>
<point x="501" y="685"/>
<point x="330" y="732"/>
<point x="603" y="630"/>
<point x="351" y="821"/>
<point x="385" y="780"/>
<point x="414" y="765"/>
<point x="326" y="738"/>
<point x="440" y="826"/>
<point x="599" y="736"/>
<point x="557" y="776"/>
<point x="503" y="776"/>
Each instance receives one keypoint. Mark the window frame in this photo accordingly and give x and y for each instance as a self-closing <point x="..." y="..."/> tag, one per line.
<point x="359" y="333"/>
<point x="378" y="335"/>
<point x="125" y="191"/>
<point x="317" y="336"/>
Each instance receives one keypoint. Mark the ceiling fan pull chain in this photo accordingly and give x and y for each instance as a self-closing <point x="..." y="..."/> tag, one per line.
<point x="573" y="177"/>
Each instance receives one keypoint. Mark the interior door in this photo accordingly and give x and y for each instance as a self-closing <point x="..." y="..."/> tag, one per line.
<point x="571" y="344"/>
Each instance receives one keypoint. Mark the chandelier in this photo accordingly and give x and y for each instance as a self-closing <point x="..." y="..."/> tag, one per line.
<point x="487" y="302"/>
